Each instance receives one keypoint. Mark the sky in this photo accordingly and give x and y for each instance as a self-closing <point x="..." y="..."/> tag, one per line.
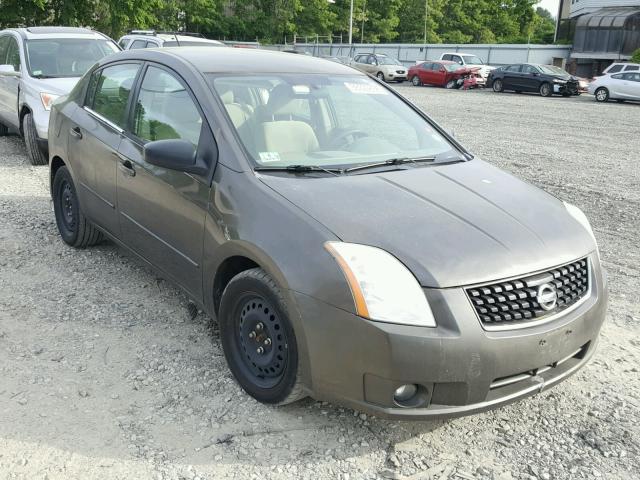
<point x="551" y="5"/>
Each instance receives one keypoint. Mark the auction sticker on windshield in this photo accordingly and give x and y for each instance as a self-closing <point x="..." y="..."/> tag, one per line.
<point x="269" y="157"/>
<point x="368" y="88"/>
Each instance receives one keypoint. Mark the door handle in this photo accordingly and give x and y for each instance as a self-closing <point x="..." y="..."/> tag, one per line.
<point x="127" y="168"/>
<point x="76" y="132"/>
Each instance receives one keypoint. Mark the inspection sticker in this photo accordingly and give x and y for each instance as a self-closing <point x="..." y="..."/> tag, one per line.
<point x="269" y="157"/>
<point x="368" y="88"/>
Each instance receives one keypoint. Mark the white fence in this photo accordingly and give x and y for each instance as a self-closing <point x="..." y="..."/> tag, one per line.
<point x="409" y="54"/>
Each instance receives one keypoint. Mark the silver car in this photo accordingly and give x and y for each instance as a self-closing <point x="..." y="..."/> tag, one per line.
<point x="37" y="65"/>
<point x="619" y="86"/>
<point x="386" y="68"/>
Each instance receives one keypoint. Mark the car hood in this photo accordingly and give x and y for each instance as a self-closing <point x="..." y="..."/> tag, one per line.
<point x="565" y="77"/>
<point x="452" y="225"/>
<point x="57" y="86"/>
<point x="393" y="68"/>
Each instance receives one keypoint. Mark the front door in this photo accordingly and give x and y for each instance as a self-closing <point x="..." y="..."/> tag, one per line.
<point x="530" y="79"/>
<point x="162" y="211"/>
<point x="95" y="132"/>
<point x="10" y="81"/>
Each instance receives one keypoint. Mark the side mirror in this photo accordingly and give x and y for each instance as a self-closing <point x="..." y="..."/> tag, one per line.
<point x="175" y="155"/>
<point x="8" y="70"/>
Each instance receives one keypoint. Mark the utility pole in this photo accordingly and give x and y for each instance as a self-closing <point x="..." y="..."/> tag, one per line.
<point x="364" y="13"/>
<point x="351" y="25"/>
<point x="426" y="9"/>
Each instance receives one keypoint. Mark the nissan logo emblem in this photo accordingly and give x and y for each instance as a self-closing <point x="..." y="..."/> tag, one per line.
<point x="547" y="296"/>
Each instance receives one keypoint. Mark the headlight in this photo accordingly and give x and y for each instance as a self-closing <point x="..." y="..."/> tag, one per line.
<point x="47" y="99"/>
<point x="383" y="289"/>
<point x="582" y="219"/>
<point x="561" y="82"/>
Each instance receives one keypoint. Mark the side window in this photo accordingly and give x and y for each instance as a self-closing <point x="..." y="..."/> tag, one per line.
<point x="632" y="67"/>
<point x="457" y="59"/>
<point x="615" y="68"/>
<point x="112" y="91"/>
<point x="138" y="44"/>
<point x="123" y="42"/>
<point x="446" y="57"/>
<point x="372" y="60"/>
<point x="617" y="76"/>
<point x="164" y="109"/>
<point x="13" y="54"/>
<point x="530" y="69"/>
<point x="513" y="68"/>
<point x="359" y="58"/>
<point x="634" y="77"/>
<point x="4" y="45"/>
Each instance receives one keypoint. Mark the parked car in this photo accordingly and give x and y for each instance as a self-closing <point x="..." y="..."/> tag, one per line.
<point x="342" y="60"/>
<point x="347" y="246"/>
<point x="444" y="74"/>
<point x="528" y="77"/>
<point x="386" y="68"/>
<point x="619" y="86"/>
<point x="618" y="67"/>
<point x="468" y="60"/>
<point x="37" y="65"/>
<point x="137" y="39"/>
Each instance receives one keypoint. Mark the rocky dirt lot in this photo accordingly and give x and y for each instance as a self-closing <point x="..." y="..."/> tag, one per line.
<point x="107" y="373"/>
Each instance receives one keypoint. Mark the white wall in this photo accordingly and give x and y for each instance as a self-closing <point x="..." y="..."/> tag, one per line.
<point x="578" y="7"/>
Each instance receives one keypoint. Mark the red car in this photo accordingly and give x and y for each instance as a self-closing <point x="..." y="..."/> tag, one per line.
<point x="445" y="74"/>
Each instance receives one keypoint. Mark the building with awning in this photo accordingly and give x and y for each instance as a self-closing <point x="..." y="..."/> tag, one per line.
<point x="601" y="32"/>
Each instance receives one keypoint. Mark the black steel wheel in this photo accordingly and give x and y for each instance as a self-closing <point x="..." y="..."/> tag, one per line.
<point x="73" y="226"/>
<point x="258" y="339"/>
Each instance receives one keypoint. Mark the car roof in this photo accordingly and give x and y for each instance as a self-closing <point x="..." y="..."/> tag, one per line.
<point x="170" y="37"/>
<point x="237" y="60"/>
<point x="57" y="32"/>
<point x="441" y="62"/>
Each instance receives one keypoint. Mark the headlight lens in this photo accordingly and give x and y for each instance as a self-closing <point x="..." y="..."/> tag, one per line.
<point x="557" y="80"/>
<point x="47" y="99"/>
<point x="582" y="219"/>
<point x="383" y="288"/>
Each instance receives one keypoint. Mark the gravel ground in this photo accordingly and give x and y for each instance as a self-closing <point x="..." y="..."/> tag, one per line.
<point x="107" y="373"/>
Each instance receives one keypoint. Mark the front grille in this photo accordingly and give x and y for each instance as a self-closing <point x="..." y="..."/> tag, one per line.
<point x="400" y="71"/>
<point x="516" y="302"/>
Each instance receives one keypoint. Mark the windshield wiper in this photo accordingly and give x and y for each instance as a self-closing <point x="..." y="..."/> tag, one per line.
<point x="300" y="169"/>
<point x="392" y="161"/>
<point x="42" y="75"/>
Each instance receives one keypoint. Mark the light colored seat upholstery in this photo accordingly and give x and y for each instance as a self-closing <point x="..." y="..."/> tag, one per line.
<point x="289" y="138"/>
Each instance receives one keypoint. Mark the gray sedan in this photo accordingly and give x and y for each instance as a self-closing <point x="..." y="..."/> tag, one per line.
<point x="348" y="247"/>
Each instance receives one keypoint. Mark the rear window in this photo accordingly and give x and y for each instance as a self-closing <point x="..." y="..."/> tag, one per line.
<point x="614" y="69"/>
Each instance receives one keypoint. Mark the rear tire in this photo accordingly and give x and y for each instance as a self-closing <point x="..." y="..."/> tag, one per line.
<point x="36" y="155"/>
<point x="498" y="86"/>
<point x="258" y="339"/>
<point x="546" y="90"/>
<point x="602" y="94"/>
<point x="73" y="226"/>
<point x="415" y="81"/>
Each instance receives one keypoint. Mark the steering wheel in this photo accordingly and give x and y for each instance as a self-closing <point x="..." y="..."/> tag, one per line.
<point x="342" y="138"/>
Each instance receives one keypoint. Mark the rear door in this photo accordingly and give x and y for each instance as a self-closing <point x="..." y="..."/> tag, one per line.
<point x="631" y="85"/>
<point x="511" y="79"/>
<point x="162" y="211"/>
<point x="424" y="72"/>
<point x="94" y="134"/>
<point x="10" y="83"/>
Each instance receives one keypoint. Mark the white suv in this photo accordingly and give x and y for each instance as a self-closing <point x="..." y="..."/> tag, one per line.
<point x="152" y="39"/>
<point x="619" y="67"/>
<point x="468" y="60"/>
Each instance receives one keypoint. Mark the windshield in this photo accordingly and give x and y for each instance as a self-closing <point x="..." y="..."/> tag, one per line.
<point x="552" y="70"/>
<point x="473" y="60"/>
<point x="314" y="120"/>
<point x="452" y="67"/>
<point x="382" y="60"/>
<point x="65" y="57"/>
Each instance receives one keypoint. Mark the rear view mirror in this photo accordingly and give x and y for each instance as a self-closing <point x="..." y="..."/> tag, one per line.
<point x="175" y="155"/>
<point x="8" y="70"/>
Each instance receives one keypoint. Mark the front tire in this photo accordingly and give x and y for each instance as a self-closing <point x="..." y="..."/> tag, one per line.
<point x="415" y="81"/>
<point x="498" y="86"/>
<point x="73" y="226"/>
<point x="546" y="90"/>
<point x="450" y="84"/>
<point x="602" y="94"/>
<point x="36" y="155"/>
<point x="380" y="76"/>
<point x="258" y="339"/>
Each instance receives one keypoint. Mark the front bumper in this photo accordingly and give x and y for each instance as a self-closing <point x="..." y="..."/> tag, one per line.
<point x="396" y="77"/>
<point x="566" y="88"/>
<point x="460" y="367"/>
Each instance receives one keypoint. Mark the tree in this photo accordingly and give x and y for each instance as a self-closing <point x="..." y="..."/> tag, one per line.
<point x="635" y="58"/>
